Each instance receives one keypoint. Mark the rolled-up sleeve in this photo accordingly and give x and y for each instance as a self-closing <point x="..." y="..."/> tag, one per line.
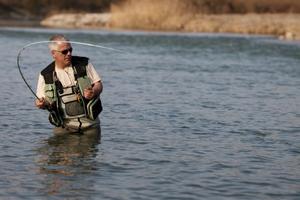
<point x="92" y="73"/>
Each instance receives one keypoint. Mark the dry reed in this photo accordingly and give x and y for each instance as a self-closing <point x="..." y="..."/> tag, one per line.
<point x="189" y="15"/>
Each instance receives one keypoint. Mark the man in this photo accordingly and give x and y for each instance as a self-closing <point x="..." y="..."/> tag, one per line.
<point x="69" y="88"/>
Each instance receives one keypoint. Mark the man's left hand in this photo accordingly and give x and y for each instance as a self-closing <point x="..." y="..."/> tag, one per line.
<point x="88" y="93"/>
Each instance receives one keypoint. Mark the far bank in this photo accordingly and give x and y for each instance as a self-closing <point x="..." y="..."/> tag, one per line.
<point x="284" y="26"/>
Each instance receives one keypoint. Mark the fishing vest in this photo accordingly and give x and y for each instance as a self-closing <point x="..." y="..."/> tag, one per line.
<point x="69" y="102"/>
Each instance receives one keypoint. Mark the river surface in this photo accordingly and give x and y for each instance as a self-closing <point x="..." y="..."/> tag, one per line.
<point x="186" y="116"/>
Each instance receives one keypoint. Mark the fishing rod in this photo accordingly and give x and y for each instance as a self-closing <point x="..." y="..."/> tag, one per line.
<point x="42" y="42"/>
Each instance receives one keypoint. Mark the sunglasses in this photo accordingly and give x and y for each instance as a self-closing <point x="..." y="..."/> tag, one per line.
<point x="65" y="52"/>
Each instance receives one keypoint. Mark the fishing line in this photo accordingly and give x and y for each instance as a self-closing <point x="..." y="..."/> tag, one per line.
<point x="41" y="42"/>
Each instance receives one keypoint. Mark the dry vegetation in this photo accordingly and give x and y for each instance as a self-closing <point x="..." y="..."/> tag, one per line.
<point x="46" y="7"/>
<point x="277" y="17"/>
<point x="246" y="6"/>
<point x="209" y="16"/>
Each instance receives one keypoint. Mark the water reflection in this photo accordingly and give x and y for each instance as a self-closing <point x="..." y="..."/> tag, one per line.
<point x="67" y="161"/>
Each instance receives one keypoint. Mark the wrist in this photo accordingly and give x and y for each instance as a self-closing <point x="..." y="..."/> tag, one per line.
<point x="96" y="92"/>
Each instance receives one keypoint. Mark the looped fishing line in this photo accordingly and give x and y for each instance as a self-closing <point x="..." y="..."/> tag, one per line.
<point x="41" y="42"/>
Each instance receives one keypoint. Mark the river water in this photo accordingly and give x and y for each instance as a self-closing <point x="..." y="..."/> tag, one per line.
<point x="186" y="116"/>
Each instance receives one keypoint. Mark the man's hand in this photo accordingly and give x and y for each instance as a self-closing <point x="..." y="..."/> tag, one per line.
<point x="93" y="91"/>
<point x="41" y="103"/>
<point x="88" y="93"/>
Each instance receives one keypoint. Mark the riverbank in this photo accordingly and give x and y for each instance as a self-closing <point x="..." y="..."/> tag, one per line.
<point x="19" y="23"/>
<point x="68" y="20"/>
<point x="284" y="26"/>
<point x="266" y="17"/>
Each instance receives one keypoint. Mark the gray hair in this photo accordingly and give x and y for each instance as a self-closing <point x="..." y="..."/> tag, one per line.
<point x="55" y="40"/>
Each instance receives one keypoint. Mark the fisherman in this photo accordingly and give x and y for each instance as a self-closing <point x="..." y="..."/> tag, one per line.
<point x="69" y="88"/>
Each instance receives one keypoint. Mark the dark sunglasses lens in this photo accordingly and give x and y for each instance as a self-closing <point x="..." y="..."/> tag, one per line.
<point x="66" y="51"/>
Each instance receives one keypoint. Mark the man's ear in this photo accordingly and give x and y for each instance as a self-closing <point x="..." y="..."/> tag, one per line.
<point x="53" y="53"/>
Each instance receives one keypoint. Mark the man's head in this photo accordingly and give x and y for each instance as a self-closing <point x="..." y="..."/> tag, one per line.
<point x="61" y="50"/>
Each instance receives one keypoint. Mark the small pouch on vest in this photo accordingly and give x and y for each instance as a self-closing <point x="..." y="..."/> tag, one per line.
<point x="50" y="90"/>
<point x="74" y="108"/>
<point x="83" y="83"/>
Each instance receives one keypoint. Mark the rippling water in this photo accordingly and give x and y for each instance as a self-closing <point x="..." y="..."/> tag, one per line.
<point x="186" y="116"/>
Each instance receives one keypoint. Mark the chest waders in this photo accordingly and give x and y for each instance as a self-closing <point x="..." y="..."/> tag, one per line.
<point x="69" y="102"/>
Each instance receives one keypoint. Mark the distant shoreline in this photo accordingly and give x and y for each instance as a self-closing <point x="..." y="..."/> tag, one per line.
<point x="20" y="23"/>
<point x="283" y="26"/>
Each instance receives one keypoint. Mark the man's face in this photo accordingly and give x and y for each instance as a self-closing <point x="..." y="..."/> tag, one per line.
<point x="63" y="54"/>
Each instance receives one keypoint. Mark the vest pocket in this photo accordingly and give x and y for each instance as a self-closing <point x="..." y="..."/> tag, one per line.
<point x="49" y="90"/>
<point x="71" y="105"/>
<point x="74" y="108"/>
